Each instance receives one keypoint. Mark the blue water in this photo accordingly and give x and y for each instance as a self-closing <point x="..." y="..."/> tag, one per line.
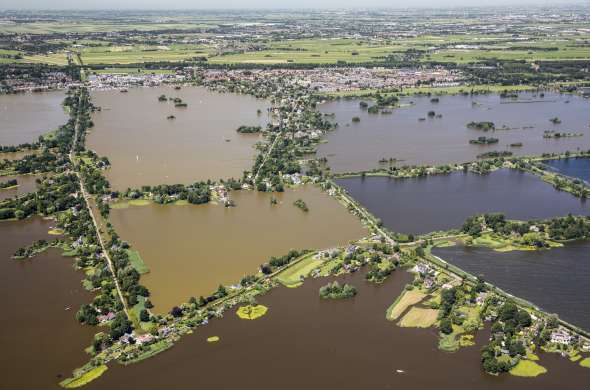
<point x="442" y="202"/>
<point x="573" y="167"/>
<point x="556" y="280"/>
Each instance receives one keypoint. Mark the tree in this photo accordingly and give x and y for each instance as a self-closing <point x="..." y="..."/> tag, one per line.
<point x="446" y="326"/>
<point x="144" y="316"/>
<point x="524" y="318"/>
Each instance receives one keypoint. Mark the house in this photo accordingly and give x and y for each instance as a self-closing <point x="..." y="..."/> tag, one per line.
<point x="421" y="268"/>
<point x="481" y="298"/>
<point x="561" y="337"/>
<point x="429" y="282"/>
<point x="144" y="338"/>
<point x="127" y="339"/>
<point x="106" y="317"/>
<point x="351" y="249"/>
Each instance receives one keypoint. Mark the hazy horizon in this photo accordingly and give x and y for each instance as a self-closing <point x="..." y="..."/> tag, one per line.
<point x="263" y="4"/>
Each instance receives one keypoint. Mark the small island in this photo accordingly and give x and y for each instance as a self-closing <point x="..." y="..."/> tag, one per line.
<point x="249" y="129"/>
<point x="299" y="203"/>
<point x="335" y="291"/>
<point x="483" y="126"/>
<point x="554" y="134"/>
<point x="484" y="141"/>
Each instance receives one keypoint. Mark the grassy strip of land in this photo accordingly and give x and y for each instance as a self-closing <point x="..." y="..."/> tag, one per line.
<point x="85" y="378"/>
<point x="137" y="262"/>
<point x="132" y="202"/>
<point x="407" y="299"/>
<point x="500" y="244"/>
<point x="151" y="350"/>
<point x="585" y="362"/>
<point x="454" y="90"/>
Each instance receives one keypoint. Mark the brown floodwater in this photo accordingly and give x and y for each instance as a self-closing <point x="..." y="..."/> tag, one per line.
<point x="26" y="116"/>
<point x="305" y="342"/>
<point x="145" y="147"/>
<point x="191" y="249"/>
<point x="40" y="339"/>
<point x="26" y="184"/>
<point x="434" y="141"/>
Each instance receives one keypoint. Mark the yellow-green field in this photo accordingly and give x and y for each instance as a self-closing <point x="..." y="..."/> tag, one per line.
<point x="528" y="368"/>
<point x="292" y="276"/>
<point x="250" y="312"/>
<point x="419" y="318"/>
<point x="408" y="299"/>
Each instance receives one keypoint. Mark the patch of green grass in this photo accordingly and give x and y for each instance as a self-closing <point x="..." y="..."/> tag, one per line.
<point x="585" y="362"/>
<point x="294" y="274"/>
<point x="528" y="368"/>
<point x="466" y="340"/>
<point x="419" y="318"/>
<point x="137" y="262"/>
<point x="250" y="312"/>
<point x="449" y="343"/>
<point x="532" y="357"/>
<point x="85" y="378"/>
<point x="119" y="205"/>
<point x="139" y="202"/>
<point x="407" y="299"/>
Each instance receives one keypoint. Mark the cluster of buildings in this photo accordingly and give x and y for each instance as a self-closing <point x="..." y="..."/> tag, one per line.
<point x="336" y="79"/>
<point x="25" y="82"/>
<point x="122" y="80"/>
<point x="353" y="79"/>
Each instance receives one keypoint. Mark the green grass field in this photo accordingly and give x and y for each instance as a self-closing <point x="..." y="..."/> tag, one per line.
<point x="419" y="318"/>
<point x="137" y="262"/>
<point x="291" y="277"/>
<point x="528" y="368"/>
<point x="87" y="377"/>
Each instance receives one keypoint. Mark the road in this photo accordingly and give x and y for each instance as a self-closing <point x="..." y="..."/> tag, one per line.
<point x="279" y="136"/>
<point x="87" y="201"/>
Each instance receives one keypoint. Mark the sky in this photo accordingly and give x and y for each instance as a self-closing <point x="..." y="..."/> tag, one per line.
<point x="207" y="4"/>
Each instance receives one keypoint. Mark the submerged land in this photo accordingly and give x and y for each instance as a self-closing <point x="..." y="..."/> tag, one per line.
<point x="371" y="189"/>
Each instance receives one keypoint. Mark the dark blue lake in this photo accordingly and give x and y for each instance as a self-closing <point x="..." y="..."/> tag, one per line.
<point x="442" y="202"/>
<point x="573" y="167"/>
<point x="556" y="280"/>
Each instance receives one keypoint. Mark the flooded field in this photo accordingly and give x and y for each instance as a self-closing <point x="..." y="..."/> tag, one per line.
<point x="24" y="117"/>
<point x="40" y="338"/>
<point x="556" y="280"/>
<point x="191" y="249"/>
<point x="145" y="147"/>
<point x="573" y="167"/>
<point x="441" y="202"/>
<point x="26" y="184"/>
<point x="304" y="342"/>
<point x="403" y="136"/>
